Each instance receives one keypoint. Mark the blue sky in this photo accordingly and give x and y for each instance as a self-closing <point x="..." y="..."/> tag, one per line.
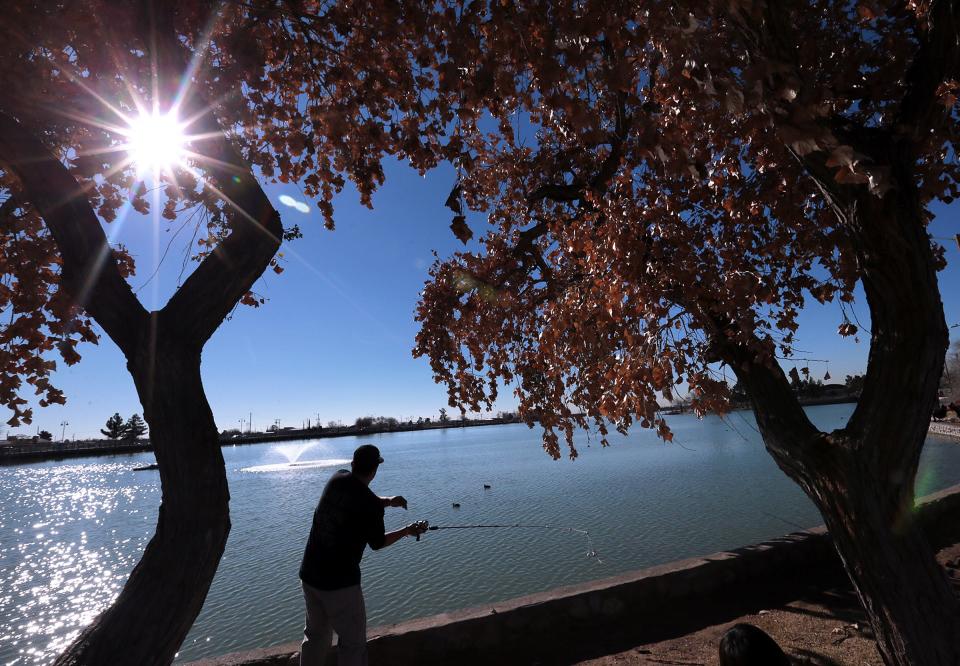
<point x="335" y="335"/>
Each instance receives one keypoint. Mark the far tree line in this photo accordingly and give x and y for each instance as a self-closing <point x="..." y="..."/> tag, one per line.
<point x="132" y="429"/>
<point x="380" y="423"/>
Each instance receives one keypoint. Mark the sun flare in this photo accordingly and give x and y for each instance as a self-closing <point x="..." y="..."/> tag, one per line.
<point x="156" y="141"/>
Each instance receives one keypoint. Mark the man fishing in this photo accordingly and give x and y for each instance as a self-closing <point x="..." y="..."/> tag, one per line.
<point x="348" y="518"/>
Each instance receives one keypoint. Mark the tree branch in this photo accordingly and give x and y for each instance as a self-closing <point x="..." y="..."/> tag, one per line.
<point x="90" y="272"/>
<point x="937" y="60"/>
<point x="212" y="291"/>
<point x="10" y="205"/>
<point x="787" y="431"/>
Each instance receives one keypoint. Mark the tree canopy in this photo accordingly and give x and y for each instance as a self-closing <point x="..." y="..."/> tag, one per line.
<point x="325" y="93"/>
<point x="650" y="184"/>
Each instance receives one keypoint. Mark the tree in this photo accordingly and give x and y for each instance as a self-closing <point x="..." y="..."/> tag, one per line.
<point x="738" y="394"/>
<point x="283" y="91"/>
<point x="682" y="174"/>
<point x="134" y="428"/>
<point x="668" y="185"/>
<point x="45" y="435"/>
<point x="950" y="382"/>
<point x="854" y="384"/>
<point x="443" y="416"/>
<point x="114" y="429"/>
<point x="387" y="422"/>
<point x="364" y="422"/>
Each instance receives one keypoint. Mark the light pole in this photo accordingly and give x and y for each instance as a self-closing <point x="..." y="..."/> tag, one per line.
<point x="63" y="431"/>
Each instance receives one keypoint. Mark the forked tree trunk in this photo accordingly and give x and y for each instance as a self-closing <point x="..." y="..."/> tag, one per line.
<point x="167" y="588"/>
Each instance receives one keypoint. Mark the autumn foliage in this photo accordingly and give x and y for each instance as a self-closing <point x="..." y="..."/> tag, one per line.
<point x="647" y="184"/>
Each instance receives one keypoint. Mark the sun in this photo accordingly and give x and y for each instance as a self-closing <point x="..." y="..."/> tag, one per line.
<point x="156" y="142"/>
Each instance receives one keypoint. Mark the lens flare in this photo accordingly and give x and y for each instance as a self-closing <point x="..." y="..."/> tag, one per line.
<point x="156" y="141"/>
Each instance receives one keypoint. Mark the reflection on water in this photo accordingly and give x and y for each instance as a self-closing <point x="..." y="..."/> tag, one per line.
<point x="71" y="531"/>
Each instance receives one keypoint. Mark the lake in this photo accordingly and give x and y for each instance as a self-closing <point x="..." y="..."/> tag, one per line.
<point x="71" y="531"/>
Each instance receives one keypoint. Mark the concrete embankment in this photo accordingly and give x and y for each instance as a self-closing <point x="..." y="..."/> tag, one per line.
<point x="26" y="451"/>
<point x="602" y="617"/>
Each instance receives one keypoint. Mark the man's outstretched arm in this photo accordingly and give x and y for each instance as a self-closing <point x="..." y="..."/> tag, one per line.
<point x="412" y="529"/>
<point x="396" y="500"/>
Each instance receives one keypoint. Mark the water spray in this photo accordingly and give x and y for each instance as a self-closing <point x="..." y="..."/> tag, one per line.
<point x="591" y="551"/>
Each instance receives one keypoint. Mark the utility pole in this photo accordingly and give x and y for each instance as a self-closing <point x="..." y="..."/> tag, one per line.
<point x="250" y="423"/>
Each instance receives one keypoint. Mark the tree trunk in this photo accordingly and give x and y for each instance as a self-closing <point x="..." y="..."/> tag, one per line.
<point x="867" y="505"/>
<point x="912" y="607"/>
<point x="862" y="476"/>
<point x="169" y="585"/>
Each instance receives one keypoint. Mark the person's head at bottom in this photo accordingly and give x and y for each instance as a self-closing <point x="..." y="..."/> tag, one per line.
<point x="366" y="460"/>
<point x="747" y="645"/>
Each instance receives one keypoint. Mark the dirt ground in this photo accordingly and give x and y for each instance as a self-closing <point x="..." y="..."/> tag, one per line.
<point x="823" y="628"/>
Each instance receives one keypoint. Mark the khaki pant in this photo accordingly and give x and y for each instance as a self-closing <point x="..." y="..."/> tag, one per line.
<point x="342" y="611"/>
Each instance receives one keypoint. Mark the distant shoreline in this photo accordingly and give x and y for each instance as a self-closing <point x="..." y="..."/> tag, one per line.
<point x="29" y="451"/>
<point x="804" y="402"/>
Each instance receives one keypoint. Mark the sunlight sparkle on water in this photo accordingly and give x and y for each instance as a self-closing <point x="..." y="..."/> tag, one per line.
<point x="60" y="578"/>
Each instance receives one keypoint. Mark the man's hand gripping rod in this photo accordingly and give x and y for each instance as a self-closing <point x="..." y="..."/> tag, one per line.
<point x="420" y="527"/>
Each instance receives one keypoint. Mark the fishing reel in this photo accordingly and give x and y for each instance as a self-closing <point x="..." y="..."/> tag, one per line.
<point x="421" y="526"/>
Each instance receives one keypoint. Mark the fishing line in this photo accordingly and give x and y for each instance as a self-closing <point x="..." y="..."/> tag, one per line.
<point x="788" y="522"/>
<point x="591" y="551"/>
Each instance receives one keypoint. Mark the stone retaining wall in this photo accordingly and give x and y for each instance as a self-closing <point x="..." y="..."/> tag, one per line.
<point x="944" y="429"/>
<point x="601" y="617"/>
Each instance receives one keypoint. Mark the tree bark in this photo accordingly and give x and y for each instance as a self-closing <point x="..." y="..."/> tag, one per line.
<point x="905" y="592"/>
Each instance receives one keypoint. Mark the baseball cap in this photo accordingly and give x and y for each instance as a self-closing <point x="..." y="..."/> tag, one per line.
<point x="367" y="455"/>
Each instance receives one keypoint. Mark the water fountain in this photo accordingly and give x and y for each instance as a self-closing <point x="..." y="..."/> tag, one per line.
<point x="292" y="453"/>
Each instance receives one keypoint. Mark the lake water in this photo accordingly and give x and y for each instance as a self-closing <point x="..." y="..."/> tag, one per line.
<point x="71" y="531"/>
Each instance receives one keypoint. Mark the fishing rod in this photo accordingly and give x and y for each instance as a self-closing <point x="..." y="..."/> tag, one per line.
<point x="591" y="551"/>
